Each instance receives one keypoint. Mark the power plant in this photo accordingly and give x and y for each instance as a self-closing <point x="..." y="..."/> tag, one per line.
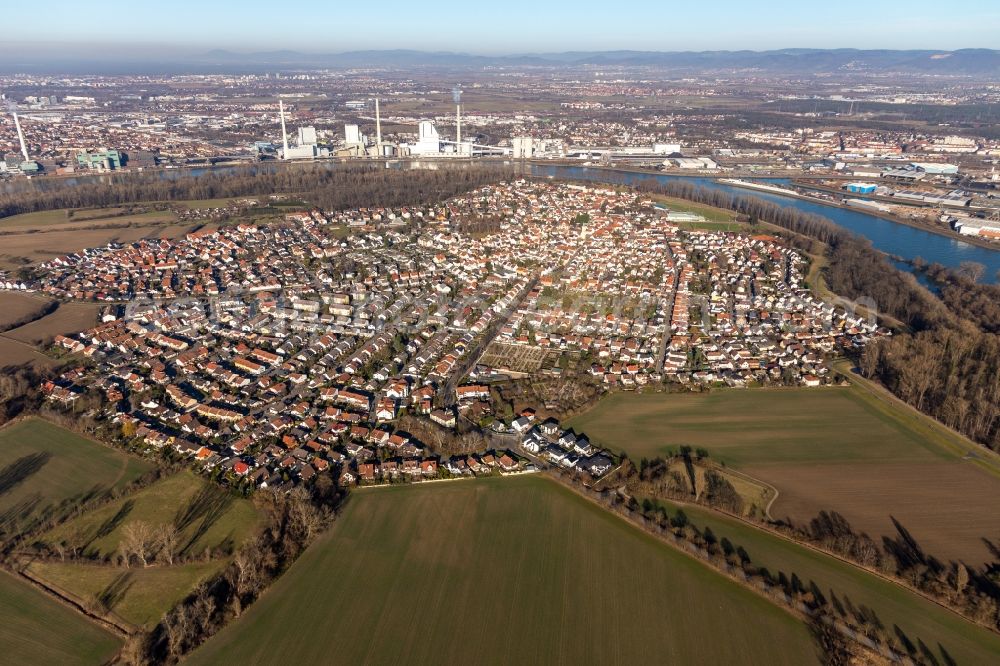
<point x="307" y="147"/>
<point x="28" y="165"/>
<point x="428" y="143"/>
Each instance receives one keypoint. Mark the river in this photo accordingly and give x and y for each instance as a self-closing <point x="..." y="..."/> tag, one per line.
<point x="890" y="237"/>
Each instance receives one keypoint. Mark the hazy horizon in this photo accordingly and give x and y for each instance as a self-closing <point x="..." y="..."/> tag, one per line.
<point x="103" y="27"/>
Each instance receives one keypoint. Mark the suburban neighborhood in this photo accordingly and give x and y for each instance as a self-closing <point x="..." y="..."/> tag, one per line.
<point x="273" y="353"/>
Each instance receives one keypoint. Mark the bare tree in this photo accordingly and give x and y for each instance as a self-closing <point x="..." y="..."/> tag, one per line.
<point x="138" y="540"/>
<point x="972" y="270"/>
<point x="166" y="543"/>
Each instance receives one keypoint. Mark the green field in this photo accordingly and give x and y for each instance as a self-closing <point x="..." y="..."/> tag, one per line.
<point x="43" y="465"/>
<point x="136" y="596"/>
<point x="206" y="518"/>
<point x="40" y="631"/>
<point x="215" y="517"/>
<point x="847" y="449"/>
<point x="505" y="570"/>
<point x="710" y="213"/>
<point x="758" y="426"/>
<point x="82" y="218"/>
<point x="917" y="617"/>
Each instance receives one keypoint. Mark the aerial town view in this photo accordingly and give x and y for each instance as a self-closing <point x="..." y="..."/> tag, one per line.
<point x="526" y="334"/>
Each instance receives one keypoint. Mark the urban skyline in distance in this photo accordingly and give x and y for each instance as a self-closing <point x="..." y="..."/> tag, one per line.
<point x="516" y="28"/>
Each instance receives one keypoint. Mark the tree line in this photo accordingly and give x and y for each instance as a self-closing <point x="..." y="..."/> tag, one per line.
<point x="834" y="620"/>
<point x="293" y="520"/>
<point x="971" y="591"/>
<point x="342" y="187"/>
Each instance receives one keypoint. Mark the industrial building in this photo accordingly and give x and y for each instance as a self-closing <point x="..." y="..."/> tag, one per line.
<point x="935" y="168"/>
<point x="428" y="139"/>
<point x="861" y="188"/>
<point x="100" y="160"/>
<point x="956" y="199"/>
<point x="307" y="136"/>
<point x="522" y="147"/>
<point x="307" y="149"/>
<point x="973" y="227"/>
<point x="705" y="163"/>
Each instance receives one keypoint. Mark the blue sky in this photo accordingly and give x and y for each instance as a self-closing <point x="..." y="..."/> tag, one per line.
<point x="510" y="26"/>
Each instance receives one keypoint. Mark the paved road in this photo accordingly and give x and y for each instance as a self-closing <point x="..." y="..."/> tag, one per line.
<point x="470" y="358"/>
<point x="661" y="355"/>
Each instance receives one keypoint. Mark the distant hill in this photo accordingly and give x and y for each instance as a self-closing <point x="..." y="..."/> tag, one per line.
<point x="793" y="61"/>
<point x="983" y="63"/>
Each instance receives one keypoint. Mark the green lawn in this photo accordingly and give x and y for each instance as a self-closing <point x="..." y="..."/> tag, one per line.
<point x="746" y="427"/>
<point x="43" y="465"/>
<point x="215" y="517"/>
<point x="138" y="596"/>
<point x="40" y="631"/>
<point x="505" y="570"/>
<point x="710" y="213"/>
<point x="917" y="617"/>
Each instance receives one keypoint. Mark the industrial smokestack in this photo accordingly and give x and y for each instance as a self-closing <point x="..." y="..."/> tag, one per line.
<point x="378" y="130"/>
<point x="284" y="133"/>
<point x="20" y="134"/>
<point x="456" y="94"/>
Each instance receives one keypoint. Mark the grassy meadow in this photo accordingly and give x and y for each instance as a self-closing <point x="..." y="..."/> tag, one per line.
<point x="206" y="517"/>
<point x="134" y="596"/>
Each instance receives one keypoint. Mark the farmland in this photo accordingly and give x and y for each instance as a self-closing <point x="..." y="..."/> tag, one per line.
<point x="64" y="219"/>
<point x="837" y="448"/>
<point x="14" y="353"/>
<point x="17" y="307"/>
<point x="67" y="319"/>
<point x="135" y="596"/>
<point x="917" y="617"/>
<point x="40" y="631"/>
<point x="44" y="465"/>
<point x="20" y="247"/>
<point x="209" y="524"/>
<point x="19" y="345"/>
<point x="506" y="570"/>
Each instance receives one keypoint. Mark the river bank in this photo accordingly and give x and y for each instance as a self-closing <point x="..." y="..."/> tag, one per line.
<point x="792" y="194"/>
<point x="972" y="240"/>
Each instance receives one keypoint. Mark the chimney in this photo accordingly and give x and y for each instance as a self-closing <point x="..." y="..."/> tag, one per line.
<point x="284" y="133"/>
<point x="20" y="137"/>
